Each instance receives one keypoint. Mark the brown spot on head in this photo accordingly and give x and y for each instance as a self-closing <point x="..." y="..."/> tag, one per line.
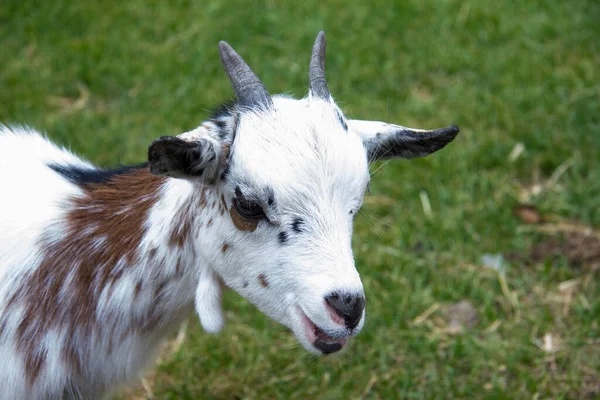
<point x="241" y="223"/>
<point x="225" y="247"/>
<point x="262" y="279"/>
<point x="226" y="150"/>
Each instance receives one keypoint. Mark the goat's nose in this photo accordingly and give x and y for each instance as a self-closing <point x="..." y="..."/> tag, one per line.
<point x="347" y="306"/>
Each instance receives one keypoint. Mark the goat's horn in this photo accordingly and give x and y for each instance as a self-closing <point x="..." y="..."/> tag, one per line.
<point x="248" y="89"/>
<point x="318" y="84"/>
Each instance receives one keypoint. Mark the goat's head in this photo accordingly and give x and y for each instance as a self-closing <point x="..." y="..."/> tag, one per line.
<point x="292" y="175"/>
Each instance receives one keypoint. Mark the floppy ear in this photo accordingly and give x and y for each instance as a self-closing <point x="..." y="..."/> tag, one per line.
<point x="383" y="141"/>
<point x="194" y="154"/>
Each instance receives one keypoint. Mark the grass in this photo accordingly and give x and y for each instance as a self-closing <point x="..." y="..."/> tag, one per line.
<point x="105" y="78"/>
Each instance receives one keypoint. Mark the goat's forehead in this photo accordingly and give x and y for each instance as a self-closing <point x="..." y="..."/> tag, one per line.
<point x="300" y="145"/>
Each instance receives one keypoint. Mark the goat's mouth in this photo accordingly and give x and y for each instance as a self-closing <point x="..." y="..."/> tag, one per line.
<point x="323" y="342"/>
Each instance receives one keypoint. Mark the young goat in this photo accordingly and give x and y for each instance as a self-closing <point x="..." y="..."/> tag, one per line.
<point x="98" y="266"/>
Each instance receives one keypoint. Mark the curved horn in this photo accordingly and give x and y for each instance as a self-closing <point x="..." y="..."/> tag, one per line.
<point x="318" y="84"/>
<point x="248" y="89"/>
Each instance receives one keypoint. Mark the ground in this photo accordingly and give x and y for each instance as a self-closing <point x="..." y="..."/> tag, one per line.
<point x="480" y="263"/>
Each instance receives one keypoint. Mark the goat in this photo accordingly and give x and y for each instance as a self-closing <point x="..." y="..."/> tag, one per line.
<point x="98" y="266"/>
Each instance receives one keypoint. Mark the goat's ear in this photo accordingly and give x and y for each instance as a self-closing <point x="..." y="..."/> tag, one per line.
<point x="190" y="155"/>
<point x="383" y="141"/>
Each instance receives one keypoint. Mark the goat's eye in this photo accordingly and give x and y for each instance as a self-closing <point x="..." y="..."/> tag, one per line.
<point x="249" y="209"/>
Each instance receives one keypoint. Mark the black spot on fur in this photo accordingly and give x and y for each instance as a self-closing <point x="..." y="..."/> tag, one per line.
<point x="86" y="176"/>
<point x="221" y="127"/>
<point x="224" y="110"/>
<point x="245" y="284"/>
<point x="282" y="237"/>
<point x="225" y="172"/>
<point x="220" y="123"/>
<point x="296" y="225"/>
<point x="223" y="134"/>
<point x="270" y="196"/>
<point x="238" y="193"/>
<point x="342" y="121"/>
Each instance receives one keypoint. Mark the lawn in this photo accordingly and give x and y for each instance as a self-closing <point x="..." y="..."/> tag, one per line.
<point x="521" y="80"/>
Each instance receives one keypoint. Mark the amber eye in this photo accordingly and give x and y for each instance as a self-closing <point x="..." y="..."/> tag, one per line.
<point x="249" y="209"/>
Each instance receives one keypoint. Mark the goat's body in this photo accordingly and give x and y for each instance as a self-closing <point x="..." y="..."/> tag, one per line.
<point x="76" y="319"/>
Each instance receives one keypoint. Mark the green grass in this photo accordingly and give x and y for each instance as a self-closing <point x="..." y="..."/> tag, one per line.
<point x="106" y="78"/>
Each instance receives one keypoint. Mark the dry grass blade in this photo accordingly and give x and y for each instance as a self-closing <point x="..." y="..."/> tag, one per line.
<point x="426" y="314"/>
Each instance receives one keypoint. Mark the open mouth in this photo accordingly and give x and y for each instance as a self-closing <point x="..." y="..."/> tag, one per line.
<point x="319" y="339"/>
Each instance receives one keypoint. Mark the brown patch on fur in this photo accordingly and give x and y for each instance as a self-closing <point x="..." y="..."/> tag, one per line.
<point x="202" y="199"/>
<point x="209" y="223"/>
<point x="182" y="226"/>
<point x="2" y="327"/>
<point x="222" y="205"/>
<point x="71" y="356"/>
<point x="34" y="364"/>
<point x="226" y="150"/>
<point x="241" y="223"/>
<point x="262" y="279"/>
<point x="178" y="267"/>
<point x="151" y="255"/>
<point x="138" y="289"/>
<point x="225" y="247"/>
<point x="116" y="211"/>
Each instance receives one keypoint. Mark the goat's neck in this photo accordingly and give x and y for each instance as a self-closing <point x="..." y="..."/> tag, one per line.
<point x="141" y="234"/>
<point x="119" y="271"/>
<point x="125" y="257"/>
<point x="161" y="241"/>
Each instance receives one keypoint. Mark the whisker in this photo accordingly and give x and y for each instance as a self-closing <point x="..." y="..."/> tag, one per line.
<point x="375" y="229"/>
<point x="381" y="166"/>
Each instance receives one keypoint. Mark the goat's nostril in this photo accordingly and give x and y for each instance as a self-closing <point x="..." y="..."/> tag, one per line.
<point x="348" y="306"/>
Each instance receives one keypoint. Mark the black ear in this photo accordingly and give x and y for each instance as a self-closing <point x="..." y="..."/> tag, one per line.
<point x="383" y="141"/>
<point x="178" y="158"/>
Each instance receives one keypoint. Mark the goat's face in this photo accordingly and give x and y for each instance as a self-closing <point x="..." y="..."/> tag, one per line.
<point x="292" y="175"/>
<point x="296" y="179"/>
